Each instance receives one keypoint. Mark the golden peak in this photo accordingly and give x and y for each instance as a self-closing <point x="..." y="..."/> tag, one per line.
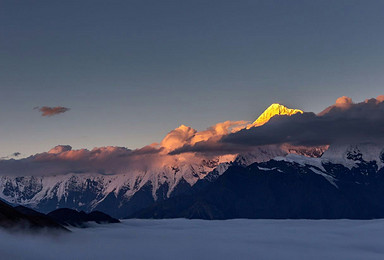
<point x="271" y="111"/>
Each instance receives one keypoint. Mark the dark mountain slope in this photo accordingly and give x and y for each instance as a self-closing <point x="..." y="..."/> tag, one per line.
<point x="279" y="190"/>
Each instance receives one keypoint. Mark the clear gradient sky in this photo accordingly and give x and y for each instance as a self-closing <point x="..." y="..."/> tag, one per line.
<point x="130" y="71"/>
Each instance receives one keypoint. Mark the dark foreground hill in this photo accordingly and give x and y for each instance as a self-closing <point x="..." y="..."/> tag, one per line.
<point x="17" y="219"/>
<point x="26" y="219"/>
<point x="70" y="217"/>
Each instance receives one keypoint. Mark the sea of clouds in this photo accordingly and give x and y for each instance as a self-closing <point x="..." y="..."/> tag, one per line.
<point x="200" y="239"/>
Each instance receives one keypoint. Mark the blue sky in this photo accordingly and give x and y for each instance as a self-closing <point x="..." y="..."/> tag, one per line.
<point x="130" y="71"/>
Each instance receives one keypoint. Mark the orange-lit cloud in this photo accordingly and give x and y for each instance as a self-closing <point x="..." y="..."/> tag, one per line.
<point x="113" y="160"/>
<point x="218" y="130"/>
<point x="345" y="103"/>
<point x="341" y="103"/>
<point x="178" y="137"/>
<point x="185" y="135"/>
<point x="380" y="98"/>
<point x="60" y="149"/>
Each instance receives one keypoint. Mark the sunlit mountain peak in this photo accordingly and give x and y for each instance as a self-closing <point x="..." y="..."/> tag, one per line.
<point x="271" y="111"/>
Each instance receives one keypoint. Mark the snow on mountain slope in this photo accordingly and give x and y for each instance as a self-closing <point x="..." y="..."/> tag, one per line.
<point x="314" y="164"/>
<point x="353" y="154"/>
<point x="87" y="191"/>
<point x="260" y="154"/>
<point x="302" y="160"/>
<point x="313" y="151"/>
<point x="268" y="152"/>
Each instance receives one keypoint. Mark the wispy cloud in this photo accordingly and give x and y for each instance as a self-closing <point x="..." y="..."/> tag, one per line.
<point x="14" y="155"/>
<point x="52" y="111"/>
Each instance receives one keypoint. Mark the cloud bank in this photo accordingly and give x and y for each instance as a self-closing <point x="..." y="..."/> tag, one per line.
<point x="63" y="159"/>
<point x="342" y="122"/>
<point x="52" y="111"/>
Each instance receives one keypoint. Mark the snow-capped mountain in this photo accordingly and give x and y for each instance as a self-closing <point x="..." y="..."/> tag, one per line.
<point x="81" y="186"/>
<point x="137" y="179"/>
<point x="122" y="194"/>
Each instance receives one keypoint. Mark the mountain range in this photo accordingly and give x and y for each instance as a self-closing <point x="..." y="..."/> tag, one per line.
<point x="293" y="187"/>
